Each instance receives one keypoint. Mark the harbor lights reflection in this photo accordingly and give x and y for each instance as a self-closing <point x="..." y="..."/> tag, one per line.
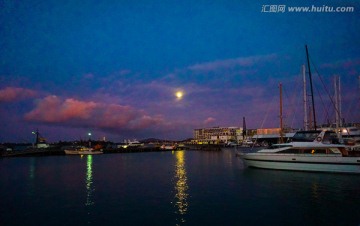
<point x="181" y="186"/>
<point x="31" y="179"/>
<point x="89" y="181"/>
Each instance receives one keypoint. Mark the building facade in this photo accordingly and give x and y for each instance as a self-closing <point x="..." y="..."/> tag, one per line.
<point x="215" y="135"/>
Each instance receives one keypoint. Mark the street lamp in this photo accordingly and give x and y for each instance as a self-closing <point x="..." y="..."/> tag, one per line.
<point x="33" y="144"/>
<point x="89" y="134"/>
<point x="37" y="137"/>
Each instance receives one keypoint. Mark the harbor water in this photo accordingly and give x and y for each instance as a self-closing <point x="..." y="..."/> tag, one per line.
<point x="170" y="188"/>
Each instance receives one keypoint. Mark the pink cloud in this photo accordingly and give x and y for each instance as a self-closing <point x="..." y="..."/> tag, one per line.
<point x="124" y="72"/>
<point x="72" y="112"/>
<point x="146" y="121"/>
<point x="230" y="63"/>
<point x="209" y="120"/>
<point x="52" y="109"/>
<point x="346" y="64"/>
<point x="88" y="76"/>
<point x="255" y="91"/>
<point x="9" y="94"/>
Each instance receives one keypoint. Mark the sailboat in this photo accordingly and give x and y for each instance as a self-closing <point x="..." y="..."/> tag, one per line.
<point x="323" y="154"/>
<point x="246" y="141"/>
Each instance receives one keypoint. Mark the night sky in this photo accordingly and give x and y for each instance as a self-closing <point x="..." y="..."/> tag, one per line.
<point x="114" y="67"/>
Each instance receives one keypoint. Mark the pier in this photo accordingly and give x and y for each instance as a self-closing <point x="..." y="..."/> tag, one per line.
<point x="33" y="152"/>
<point x="60" y="150"/>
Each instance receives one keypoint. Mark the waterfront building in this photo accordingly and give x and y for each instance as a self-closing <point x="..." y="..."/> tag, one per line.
<point x="269" y="136"/>
<point x="215" y="135"/>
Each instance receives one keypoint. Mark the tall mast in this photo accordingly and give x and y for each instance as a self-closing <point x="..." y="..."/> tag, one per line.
<point x="336" y="97"/>
<point x="244" y="128"/>
<point x="281" y="116"/>
<point x="340" y="112"/>
<point x="306" y="124"/>
<point x="337" y="107"/>
<point x="310" y="118"/>
<point x="338" y="117"/>
<point x="311" y="87"/>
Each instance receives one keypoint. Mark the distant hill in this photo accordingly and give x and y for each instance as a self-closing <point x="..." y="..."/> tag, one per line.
<point x="155" y="140"/>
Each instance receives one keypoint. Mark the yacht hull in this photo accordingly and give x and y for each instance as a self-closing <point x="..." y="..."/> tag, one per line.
<point x="307" y="162"/>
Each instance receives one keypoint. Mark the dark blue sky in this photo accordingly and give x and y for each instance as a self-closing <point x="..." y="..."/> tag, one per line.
<point x="113" y="67"/>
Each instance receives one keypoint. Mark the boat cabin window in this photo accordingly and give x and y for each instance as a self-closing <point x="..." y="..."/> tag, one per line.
<point x="331" y="137"/>
<point x="290" y="151"/>
<point x="276" y="146"/>
<point x="314" y="151"/>
<point x="302" y="136"/>
<point x="307" y="151"/>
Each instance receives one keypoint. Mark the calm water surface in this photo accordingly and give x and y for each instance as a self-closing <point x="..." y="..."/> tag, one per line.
<point x="170" y="188"/>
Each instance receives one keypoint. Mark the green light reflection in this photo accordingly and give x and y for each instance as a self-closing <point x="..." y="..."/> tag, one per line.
<point x="31" y="178"/>
<point x="89" y="181"/>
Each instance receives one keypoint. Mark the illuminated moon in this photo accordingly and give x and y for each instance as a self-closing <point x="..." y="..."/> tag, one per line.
<point x="179" y="94"/>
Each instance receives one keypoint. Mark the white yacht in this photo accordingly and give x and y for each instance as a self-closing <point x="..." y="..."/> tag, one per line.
<point x="129" y="143"/>
<point x="321" y="155"/>
<point x="168" y="147"/>
<point x="81" y="150"/>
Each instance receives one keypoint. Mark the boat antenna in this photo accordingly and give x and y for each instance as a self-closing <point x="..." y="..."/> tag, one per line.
<point x="311" y="86"/>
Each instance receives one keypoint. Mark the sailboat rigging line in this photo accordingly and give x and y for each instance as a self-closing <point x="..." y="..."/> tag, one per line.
<point x="325" y="107"/>
<point x="326" y="90"/>
<point x="292" y="108"/>
<point x="266" y="114"/>
<point x="326" y="115"/>
<point x="353" y="108"/>
<point x="294" y="101"/>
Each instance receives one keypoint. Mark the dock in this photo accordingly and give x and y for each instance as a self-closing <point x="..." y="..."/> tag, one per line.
<point x="60" y="151"/>
<point x="33" y="152"/>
